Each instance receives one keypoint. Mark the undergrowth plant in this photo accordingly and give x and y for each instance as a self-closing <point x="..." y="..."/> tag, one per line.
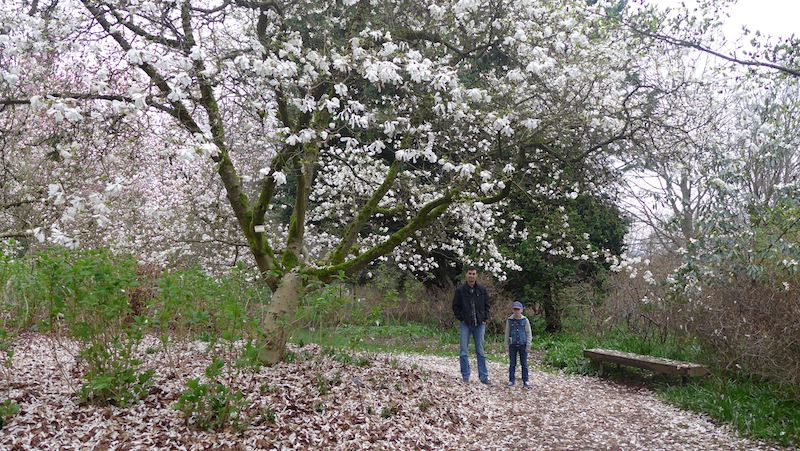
<point x="212" y="404"/>
<point x="88" y="296"/>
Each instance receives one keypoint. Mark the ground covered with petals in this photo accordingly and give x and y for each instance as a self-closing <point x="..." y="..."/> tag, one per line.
<point x="334" y="399"/>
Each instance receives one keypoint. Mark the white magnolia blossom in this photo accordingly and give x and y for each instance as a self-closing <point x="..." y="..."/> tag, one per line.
<point x="377" y="98"/>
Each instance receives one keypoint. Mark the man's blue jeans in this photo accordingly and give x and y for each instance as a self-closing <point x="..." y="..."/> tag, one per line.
<point x="522" y="350"/>
<point x="477" y="333"/>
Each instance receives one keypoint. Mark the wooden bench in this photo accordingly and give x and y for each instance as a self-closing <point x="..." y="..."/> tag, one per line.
<point x="657" y="364"/>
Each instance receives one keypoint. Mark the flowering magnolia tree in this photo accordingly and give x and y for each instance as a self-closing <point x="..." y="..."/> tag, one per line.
<point x="338" y="133"/>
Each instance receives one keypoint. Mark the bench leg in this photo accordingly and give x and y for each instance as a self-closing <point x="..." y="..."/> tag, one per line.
<point x="602" y="369"/>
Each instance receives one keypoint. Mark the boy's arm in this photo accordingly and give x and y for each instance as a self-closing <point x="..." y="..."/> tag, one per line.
<point x="528" y="334"/>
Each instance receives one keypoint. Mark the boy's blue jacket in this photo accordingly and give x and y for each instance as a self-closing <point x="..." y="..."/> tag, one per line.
<point x="518" y="332"/>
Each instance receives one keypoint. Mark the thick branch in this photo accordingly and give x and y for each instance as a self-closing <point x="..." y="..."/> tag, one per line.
<point x="18" y="234"/>
<point x="428" y="213"/>
<point x="18" y="203"/>
<point x="89" y="96"/>
<point x="497" y="197"/>
<point x="363" y="216"/>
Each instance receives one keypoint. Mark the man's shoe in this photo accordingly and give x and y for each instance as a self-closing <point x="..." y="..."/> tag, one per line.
<point x="465" y="380"/>
<point x="510" y="385"/>
<point x="526" y="385"/>
<point x="486" y="382"/>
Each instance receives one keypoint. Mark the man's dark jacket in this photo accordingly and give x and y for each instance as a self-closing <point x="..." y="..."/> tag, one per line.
<point x="471" y="304"/>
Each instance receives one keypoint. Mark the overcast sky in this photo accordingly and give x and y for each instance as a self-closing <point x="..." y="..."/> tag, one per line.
<point x="776" y="17"/>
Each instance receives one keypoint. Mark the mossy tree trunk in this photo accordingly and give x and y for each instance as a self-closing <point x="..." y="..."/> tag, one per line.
<point x="280" y="312"/>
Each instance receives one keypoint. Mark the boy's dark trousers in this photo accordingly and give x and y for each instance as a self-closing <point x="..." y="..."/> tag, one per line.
<point x="513" y="350"/>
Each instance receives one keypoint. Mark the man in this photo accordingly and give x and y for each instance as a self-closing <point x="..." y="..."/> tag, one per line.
<point x="471" y="306"/>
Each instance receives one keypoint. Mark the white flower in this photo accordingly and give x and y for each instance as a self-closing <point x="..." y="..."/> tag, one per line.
<point x="341" y="89"/>
<point x="135" y="57"/>
<point x="466" y="170"/>
<point x="73" y="115"/>
<point x="36" y="103"/>
<point x="197" y="54"/>
<point x="280" y="178"/>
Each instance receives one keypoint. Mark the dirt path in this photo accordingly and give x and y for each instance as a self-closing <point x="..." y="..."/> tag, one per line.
<point x="344" y="400"/>
<point x="573" y="412"/>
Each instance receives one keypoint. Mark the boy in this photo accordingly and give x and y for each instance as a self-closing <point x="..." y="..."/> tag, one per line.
<point x="518" y="341"/>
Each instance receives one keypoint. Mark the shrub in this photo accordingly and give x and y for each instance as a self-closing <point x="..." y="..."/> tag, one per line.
<point x="89" y="296"/>
<point x="211" y="405"/>
<point x="748" y="325"/>
<point x="8" y="409"/>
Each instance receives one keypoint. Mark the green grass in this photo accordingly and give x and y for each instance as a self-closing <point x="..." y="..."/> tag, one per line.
<point x="757" y="409"/>
<point x="403" y="337"/>
<point x="407" y="337"/>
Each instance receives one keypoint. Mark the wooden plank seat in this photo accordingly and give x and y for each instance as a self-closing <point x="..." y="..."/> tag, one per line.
<point x="656" y="364"/>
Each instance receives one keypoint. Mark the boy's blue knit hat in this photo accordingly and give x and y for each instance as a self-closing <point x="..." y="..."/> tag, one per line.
<point x="516" y="304"/>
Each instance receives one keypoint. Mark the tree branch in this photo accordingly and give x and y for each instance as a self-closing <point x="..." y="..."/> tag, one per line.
<point x="355" y="226"/>
<point x="428" y="213"/>
<point x="704" y="49"/>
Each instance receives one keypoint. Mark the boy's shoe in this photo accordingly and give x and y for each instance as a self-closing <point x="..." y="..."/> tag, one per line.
<point x="526" y="385"/>
<point x="465" y="380"/>
<point x="510" y="385"/>
<point x="486" y="382"/>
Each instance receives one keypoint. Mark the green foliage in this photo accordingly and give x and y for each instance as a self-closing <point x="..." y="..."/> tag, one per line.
<point x="575" y="230"/>
<point x="322" y="384"/>
<point x="389" y="411"/>
<point x="192" y="304"/>
<point x="268" y="414"/>
<point x="757" y="409"/>
<point x="211" y="405"/>
<point x="424" y="405"/>
<point x="8" y="409"/>
<point x="24" y="293"/>
<point x="6" y="352"/>
<point x="87" y="293"/>
<point x="113" y="374"/>
<point x="404" y="337"/>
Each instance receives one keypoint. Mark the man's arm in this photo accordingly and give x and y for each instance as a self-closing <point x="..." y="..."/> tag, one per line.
<point x="457" y="304"/>
<point x="487" y="304"/>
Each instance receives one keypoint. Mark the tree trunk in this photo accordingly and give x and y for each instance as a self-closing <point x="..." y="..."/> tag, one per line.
<point x="281" y="309"/>
<point x="552" y="314"/>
